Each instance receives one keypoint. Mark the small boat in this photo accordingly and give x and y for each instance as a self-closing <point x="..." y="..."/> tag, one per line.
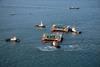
<point x="52" y="37"/>
<point x="41" y="25"/>
<point x="13" y="39"/>
<point x="59" y="28"/>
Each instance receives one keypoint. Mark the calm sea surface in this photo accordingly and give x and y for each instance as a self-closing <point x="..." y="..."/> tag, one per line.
<point x="18" y="17"/>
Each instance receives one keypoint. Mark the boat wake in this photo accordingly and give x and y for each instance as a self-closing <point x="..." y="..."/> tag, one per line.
<point x="91" y="47"/>
<point x="63" y="47"/>
<point x="47" y="48"/>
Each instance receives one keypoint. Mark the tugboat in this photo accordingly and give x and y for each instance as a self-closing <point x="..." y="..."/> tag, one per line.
<point x="75" y="31"/>
<point x="40" y="25"/>
<point x="52" y="37"/>
<point x="59" y="28"/>
<point x="13" y="39"/>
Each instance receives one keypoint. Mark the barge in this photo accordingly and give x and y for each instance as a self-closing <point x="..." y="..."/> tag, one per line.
<point x="52" y="37"/>
<point x="59" y="28"/>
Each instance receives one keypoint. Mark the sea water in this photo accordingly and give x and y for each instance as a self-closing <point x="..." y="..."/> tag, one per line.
<point x="18" y="17"/>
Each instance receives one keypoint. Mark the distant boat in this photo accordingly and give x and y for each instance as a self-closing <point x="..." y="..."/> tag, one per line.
<point x="12" y="14"/>
<point x="74" y="8"/>
<point x="41" y="25"/>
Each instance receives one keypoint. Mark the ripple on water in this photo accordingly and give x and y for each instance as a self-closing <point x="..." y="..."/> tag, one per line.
<point x="47" y="48"/>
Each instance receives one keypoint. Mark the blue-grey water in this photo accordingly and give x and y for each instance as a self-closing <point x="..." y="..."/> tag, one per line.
<point x="18" y="17"/>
